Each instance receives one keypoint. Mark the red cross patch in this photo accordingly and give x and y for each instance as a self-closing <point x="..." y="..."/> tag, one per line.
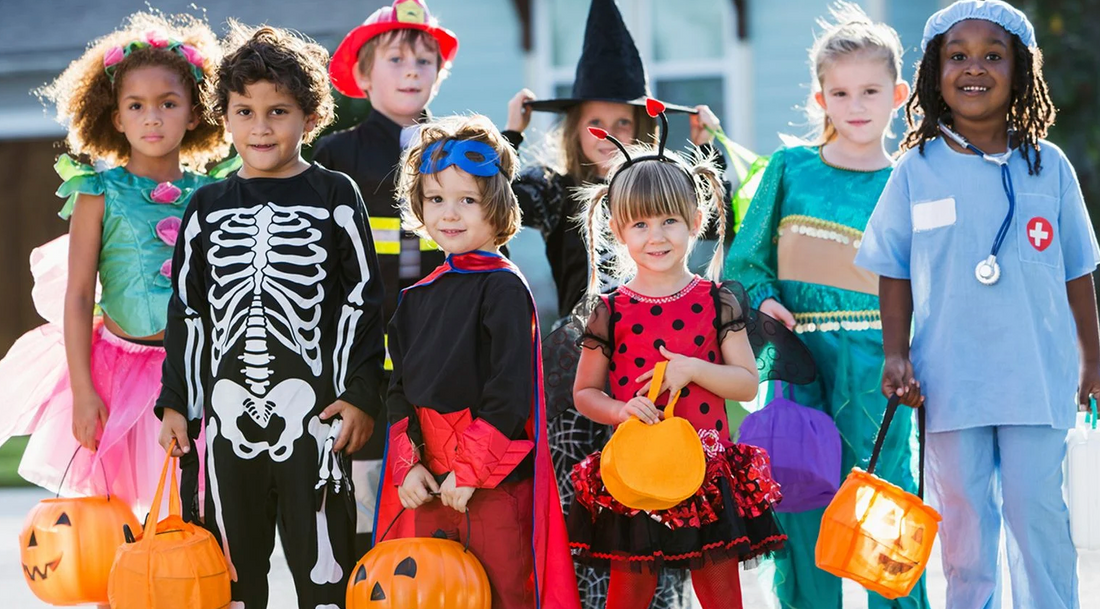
<point x="1040" y="233"/>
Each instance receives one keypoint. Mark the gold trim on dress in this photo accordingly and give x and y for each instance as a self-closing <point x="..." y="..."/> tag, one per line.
<point x="832" y="321"/>
<point x="821" y="229"/>
<point x="821" y="256"/>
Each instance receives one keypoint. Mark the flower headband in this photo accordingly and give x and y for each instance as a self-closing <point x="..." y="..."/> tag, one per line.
<point x="654" y="109"/>
<point x="115" y="55"/>
<point x="472" y="156"/>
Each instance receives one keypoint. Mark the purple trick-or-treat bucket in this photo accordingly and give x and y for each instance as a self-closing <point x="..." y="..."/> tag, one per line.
<point x="804" y="446"/>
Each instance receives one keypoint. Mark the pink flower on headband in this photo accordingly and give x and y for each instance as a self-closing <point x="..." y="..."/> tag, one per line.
<point x="113" y="56"/>
<point x="166" y="268"/>
<point x="168" y="230"/>
<point x="156" y="39"/>
<point x="165" y="192"/>
<point x="193" y="55"/>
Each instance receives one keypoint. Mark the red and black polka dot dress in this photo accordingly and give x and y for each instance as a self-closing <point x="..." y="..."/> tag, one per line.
<point x="683" y="323"/>
<point x="731" y="514"/>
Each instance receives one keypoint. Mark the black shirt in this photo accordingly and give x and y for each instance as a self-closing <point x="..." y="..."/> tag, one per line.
<point x="465" y="342"/>
<point x="369" y="153"/>
<point x="545" y="197"/>
<point x="275" y="284"/>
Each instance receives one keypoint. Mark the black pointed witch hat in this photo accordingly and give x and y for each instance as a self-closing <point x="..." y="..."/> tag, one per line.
<point x="610" y="68"/>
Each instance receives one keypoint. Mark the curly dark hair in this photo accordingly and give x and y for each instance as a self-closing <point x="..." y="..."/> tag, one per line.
<point x="289" y="60"/>
<point x="1031" y="111"/>
<point x="86" y="98"/>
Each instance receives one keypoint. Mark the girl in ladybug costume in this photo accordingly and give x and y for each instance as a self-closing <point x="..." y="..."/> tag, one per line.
<point x="657" y="204"/>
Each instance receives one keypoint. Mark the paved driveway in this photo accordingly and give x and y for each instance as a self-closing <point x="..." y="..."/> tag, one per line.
<point x="15" y="503"/>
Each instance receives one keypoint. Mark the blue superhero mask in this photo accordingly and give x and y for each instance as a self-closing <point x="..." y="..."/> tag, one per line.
<point x="474" y="157"/>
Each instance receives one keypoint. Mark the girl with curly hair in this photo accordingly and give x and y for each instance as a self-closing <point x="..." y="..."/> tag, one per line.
<point x="133" y="103"/>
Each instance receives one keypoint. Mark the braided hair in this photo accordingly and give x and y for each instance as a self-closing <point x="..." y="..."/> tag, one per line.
<point x="1031" y="111"/>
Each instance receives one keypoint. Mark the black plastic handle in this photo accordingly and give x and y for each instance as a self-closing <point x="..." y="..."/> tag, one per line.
<point x="65" y="474"/>
<point x="465" y="546"/>
<point x="887" y="418"/>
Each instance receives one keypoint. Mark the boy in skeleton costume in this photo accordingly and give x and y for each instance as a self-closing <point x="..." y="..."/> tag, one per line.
<point x="467" y="422"/>
<point x="274" y="332"/>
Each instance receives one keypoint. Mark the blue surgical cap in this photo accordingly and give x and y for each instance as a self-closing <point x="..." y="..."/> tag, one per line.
<point x="1002" y="13"/>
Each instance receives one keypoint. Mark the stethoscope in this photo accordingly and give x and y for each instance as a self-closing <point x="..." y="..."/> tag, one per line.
<point x="988" y="271"/>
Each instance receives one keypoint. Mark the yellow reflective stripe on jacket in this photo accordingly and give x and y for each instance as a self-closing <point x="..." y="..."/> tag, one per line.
<point x="388" y="366"/>
<point x="387" y="237"/>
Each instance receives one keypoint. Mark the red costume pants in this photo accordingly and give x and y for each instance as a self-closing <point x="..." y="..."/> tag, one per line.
<point x="500" y="537"/>
<point x="717" y="585"/>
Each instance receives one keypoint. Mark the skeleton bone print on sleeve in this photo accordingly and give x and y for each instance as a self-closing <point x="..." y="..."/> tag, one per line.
<point x="263" y="250"/>
<point x="352" y="310"/>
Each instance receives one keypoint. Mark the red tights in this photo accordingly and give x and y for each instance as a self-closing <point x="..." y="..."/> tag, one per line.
<point x="717" y="585"/>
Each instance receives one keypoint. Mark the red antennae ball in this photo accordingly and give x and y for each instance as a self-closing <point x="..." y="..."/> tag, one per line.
<point x="653" y="107"/>
<point x="599" y="133"/>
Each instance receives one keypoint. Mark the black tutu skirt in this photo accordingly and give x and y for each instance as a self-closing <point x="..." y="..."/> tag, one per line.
<point x="730" y="517"/>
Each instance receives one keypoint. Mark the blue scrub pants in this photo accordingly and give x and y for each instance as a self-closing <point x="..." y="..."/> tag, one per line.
<point x="979" y="476"/>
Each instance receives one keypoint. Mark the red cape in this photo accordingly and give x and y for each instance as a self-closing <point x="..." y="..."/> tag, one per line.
<point x="555" y="580"/>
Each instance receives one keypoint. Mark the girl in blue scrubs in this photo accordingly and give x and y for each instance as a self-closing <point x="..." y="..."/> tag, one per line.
<point x="985" y="249"/>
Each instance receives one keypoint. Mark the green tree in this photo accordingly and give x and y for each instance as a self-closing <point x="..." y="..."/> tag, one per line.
<point x="1068" y="32"/>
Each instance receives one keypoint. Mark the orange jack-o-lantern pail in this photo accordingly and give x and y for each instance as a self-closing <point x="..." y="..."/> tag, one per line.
<point x="419" y="573"/>
<point x="875" y="533"/>
<point x="67" y="545"/>
<point x="654" y="467"/>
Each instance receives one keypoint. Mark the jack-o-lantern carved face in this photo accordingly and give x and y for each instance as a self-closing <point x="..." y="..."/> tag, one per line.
<point x="50" y="556"/>
<point x="418" y="572"/>
<point x="67" y="546"/>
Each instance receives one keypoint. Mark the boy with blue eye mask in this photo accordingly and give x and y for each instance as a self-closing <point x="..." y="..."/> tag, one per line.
<point x="467" y="450"/>
<point x="983" y="243"/>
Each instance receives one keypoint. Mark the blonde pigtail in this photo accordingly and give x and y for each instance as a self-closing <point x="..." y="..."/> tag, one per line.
<point x="714" y="194"/>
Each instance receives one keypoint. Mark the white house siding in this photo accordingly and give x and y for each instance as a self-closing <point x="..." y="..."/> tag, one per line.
<point x="781" y="33"/>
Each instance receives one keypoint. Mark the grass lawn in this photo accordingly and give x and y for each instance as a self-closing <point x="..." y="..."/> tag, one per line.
<point x="10" y="453"/>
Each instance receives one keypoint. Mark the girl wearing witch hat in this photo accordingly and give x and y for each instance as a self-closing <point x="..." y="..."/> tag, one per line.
<point x="609" y="92"/>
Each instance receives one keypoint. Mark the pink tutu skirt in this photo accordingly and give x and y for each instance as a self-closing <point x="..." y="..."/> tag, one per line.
<point x="38" y="400"/>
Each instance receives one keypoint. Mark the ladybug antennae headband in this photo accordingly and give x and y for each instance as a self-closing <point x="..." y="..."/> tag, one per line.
<point x="655" y="109"/>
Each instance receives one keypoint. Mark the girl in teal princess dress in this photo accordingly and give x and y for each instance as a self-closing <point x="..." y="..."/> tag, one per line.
<point x="795" y="256"/>
<point x="88" y="378"/>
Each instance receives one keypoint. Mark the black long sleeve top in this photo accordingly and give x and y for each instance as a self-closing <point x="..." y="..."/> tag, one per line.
<point x="462" y="343"/>
<point x="275" y="284"/>
<point x="369" y="154"/>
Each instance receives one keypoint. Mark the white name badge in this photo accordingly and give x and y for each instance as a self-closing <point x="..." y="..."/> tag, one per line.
<point x="933" y="214"/>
